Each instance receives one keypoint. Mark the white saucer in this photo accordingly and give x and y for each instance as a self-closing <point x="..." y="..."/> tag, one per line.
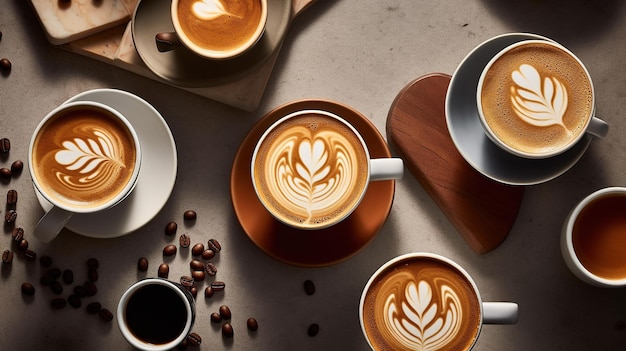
<point x="472" y="142"/>
<point x="156" y="177"/>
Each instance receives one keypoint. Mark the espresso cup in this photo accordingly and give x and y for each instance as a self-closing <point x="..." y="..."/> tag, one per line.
<point x="155" y="314"/>
<point x="311" y="169"/>
<point x="84" y="157"/>
<point x="536" y="100"/>
<point x="424" y="301"/>
<point x="215" y="29"/>
<point x="593" y="244"/>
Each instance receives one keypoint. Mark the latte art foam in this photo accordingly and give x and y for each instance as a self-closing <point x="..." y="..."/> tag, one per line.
<point x="310" y="170"/>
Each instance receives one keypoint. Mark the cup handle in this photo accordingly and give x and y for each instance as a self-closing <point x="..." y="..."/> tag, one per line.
<point x="51" y="224"/>
<point x="598" y="127"/>
<point x="167" y="41"/>
<point x="500" y="312"/>
<point x="386" y="168"/>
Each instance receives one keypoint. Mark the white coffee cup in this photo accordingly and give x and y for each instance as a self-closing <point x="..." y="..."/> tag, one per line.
<point x="419" y="299"/>
<point x="155" y="314"/>
<point x="592" y="241"/>
<point x="89" y="167"/>
<point x="525" y="98"/>
<point x="308" y="198"/>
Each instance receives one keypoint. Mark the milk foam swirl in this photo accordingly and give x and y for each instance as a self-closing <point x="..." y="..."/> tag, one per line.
<point x="308" y="171"/>
<point x="88" y="164"/>
<point x="415" y="320"/>
<point x="539" y="104"/>
<point x="207" y="10"/>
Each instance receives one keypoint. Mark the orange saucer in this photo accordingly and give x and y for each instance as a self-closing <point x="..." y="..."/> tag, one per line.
<point x="320" y="247"/>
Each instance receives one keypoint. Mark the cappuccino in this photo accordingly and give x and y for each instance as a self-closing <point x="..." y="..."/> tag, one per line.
<point x="83" y="157"/>
<point x="420" y="303"/>
<point x="310" y="169"/>
<point x="536" y="98"/>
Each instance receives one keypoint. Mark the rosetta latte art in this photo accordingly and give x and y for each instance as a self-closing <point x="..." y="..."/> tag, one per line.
<point x="88" y="164"/>
<point x="417" y="322"/>
<point x="207" y="10"/>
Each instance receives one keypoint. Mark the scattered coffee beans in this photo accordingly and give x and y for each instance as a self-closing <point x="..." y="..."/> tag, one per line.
<point x="208" y="254"/>
<point x="5" y="145"/>
<point x="30" y="255"/>
<point x="7" y="257"/>
<point x="186" y="281"/>
<point x="313" y="329"/>
<point x="80" y="291"/>
<point x="197" y="249"/>
<point x="225" y="312"/>
<point x="5" y="65"/>
<point x="216" y="318"/>
<point x="92" y="275"/>
<point x="94" y="307"/>
<point x="93" y="263"/>
<point x="90" y="288"/>
<point x="16" y="167"/>
<point x="194" y="339"/>
<point x="5" y="173"/>
<point x="252" y="324"/>
<point x="227" y="330"/>
<point x="169" y="250"/>
<point x="10" y="217"/>
<point x="214" y="245"/>
<point x="198" y="275"/>
<point x="17" y="234"/>
<point x="164" y="270"/>
<point x="68" y="277"/>
<point x="54" y="272"/>
<point x="56" y="287"/>
<point x="105" y="315"/>
<point x="171" y="228"/>
<point x="58" y="303"/>
<point x="190" y="215"/>
<point x="193" y="291"/>
<point x="142" y="264"/>
<point x="11" y="199"/>
<point x="23" y="245"/>
<point x="196" y="265"/>
<point x="28" y="289"/>
<point x="45" y="261"/>
<point x="184" y="240"/>
<point x="309" y="287"/>
<point x="218" y="286"/>
<point x="210" y="269"/>
<point x="208" y="291"/>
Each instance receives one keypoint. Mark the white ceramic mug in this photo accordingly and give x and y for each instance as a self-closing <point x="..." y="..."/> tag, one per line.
<point x="81" y="162"/>
<point x="592" y="238"/>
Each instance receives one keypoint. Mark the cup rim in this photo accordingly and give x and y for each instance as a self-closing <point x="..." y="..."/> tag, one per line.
<point x="418" y="255"/>
<point x="134" y="341"/>
<point x="219" y="54"/>
<point x="516" y="152"/>
<point x="568" y="245"/>
<point x="273" y="126"/>
<point x="130" y="185"/>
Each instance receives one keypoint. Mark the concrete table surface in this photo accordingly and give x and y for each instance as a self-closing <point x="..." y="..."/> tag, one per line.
<point x="361" y="53"/>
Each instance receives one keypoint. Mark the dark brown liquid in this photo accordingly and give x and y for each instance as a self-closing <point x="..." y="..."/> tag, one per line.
<point x="599" y="236"/>
<point x="156" y="314"/>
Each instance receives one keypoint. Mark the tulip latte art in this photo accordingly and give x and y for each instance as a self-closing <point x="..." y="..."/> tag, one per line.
<point x="83" y="157"/>
<point x="537" y="98"/>
<point x="310" y="170"/>
<point x="421" y="304"/>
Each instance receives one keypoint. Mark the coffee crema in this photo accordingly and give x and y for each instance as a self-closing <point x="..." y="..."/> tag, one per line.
<point x="219" y="25"/>
<point x="536" y="98"/>
<point x="83" y="157"/>
<point x="599" y="236"/>
<point x="421" y="304"/>
<point x="310" y="169"/>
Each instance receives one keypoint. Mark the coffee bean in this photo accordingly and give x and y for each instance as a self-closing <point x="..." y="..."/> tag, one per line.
<point x="7" y="257"/>
<point x="28" y="289"/>
<point x="186" y="281"/>
<point x="197" y="249"/>
<point x="313" y="329"/>
<point x="80" y="291"/>
<point x="45" y="261"/>
<point x="11" y="199"/>
<point x="23" y="245"/>
<point x="74" y="301"/>
<point x="5" y="65"/>
<point x="164" y="270"/>
<point x="216" y="318"/>
<point x="105" y="315"/>
<point x="56" y="287"/>
<point x="227" y="330"/>
<point x="142" y="264"/>
<point x="90" y="288"/>
<point x="54" y="272"/>
<point x="225" y="312"/>
<point x="196" y="265"/>
<point x="10" y="217"/>
<point x="208" y="254"/>
<point x="68" y="277"/>
<point x="92" y="275"/>
<point x="208" y="292"/>
<point x="94" y="307"/>
<point x="309" y="287"/>
<point x="190" y="215"/>
<point x="198" y="275"/>
<point x="252" y="324"/>
<point x="93" y="263"/>
<point x="193" y="291"/>
<point x="194" y="339"/>
<point x="210" y="269"/>
<point x="170" y="228"/>
<point x="5" y="145"/>
<point x="30" y="255"/>
<point x="17" y="234"/>
<point x="215" y="245"/>
<point x="58" y="303"/>
<point x="169" y="250"/>
<point x="218" y="286"/>
<point x="184" y="241"/>
<point x="17" y="167"/>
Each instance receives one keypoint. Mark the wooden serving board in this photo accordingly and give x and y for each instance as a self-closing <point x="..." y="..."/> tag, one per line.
<point x="108" y="37"/>
<point x="482" y="210"/>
